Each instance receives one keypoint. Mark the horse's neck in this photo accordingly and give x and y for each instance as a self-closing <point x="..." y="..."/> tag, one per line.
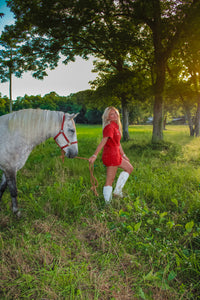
<point x="48" y="126"/>
<point x="53" y="123"/>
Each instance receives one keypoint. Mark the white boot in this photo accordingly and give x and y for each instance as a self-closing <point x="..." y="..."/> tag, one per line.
<point x="107" y="193"/>
<point x="123" y="176"/>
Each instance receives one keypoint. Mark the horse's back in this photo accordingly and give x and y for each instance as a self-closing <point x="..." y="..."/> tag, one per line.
<point x="3" y="129"/>
<point x="13" y="147"/>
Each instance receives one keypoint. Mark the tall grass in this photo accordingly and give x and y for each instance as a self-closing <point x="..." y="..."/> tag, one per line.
<point x="69" y="245"/>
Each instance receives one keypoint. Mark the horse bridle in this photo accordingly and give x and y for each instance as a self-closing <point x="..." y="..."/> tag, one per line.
<point x="61" y="132"/>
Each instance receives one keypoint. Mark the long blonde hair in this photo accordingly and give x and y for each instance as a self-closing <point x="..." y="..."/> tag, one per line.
<point x="105" y="118"/>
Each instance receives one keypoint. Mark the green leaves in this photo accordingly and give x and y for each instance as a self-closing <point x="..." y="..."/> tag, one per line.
<point x="175" y="201"/>
<point x="189" y="226"/>
<point x="172" y="275"/>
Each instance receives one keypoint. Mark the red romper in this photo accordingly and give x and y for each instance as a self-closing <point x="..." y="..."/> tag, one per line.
<point x="111" y="153"/>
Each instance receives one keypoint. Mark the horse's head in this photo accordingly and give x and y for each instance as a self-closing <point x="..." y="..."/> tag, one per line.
<point x="66" y="138"/>
<point x="70" y="131"/>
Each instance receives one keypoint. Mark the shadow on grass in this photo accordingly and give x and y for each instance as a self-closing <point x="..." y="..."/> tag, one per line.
<point x="163" y="149"/>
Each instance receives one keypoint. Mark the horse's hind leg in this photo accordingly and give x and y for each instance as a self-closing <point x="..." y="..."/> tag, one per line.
<point x="11" y="182"/>
<point x="3" y="185"/>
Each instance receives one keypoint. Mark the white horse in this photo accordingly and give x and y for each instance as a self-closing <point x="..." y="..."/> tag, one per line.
<point x="21" y="131"/>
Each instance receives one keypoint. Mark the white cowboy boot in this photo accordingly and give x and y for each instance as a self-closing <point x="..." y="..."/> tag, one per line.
<point x="107" y="193"/>
<point x="123" y="176"/>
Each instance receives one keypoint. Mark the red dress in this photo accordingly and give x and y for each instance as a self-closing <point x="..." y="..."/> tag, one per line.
<point x="111" y="153"/>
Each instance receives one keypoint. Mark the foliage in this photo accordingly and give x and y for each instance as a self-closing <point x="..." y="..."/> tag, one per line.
<point x="89" y="112"/>
<point x="4" y="105"/>
<point x="127" y="37"/>
<point x="12" y="61"/>
<point x="69" y="245"/>
<point x="182" y="88"/>
<point x="93" y="27"/>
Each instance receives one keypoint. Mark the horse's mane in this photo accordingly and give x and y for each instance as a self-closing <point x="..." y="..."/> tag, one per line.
<point x="33" y="123"/>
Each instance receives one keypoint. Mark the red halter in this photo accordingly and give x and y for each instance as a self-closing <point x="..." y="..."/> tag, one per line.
<point x="61" y="132"/>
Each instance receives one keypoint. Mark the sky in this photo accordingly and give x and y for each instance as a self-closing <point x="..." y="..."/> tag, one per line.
<point x="63" y="80"/>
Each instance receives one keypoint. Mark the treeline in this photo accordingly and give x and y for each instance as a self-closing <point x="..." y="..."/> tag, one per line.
<point x="52" y="101"/>
<point x="82" y="102"/>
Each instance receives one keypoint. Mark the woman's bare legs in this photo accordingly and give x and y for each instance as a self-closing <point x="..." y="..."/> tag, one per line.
<point x="111" y="172"/>
<point x="107" y="189"/>
<point x="126" y="166"/>
<point x="123" y="177"/>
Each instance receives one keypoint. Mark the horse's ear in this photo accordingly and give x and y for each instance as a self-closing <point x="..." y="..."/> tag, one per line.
<point x="73" y="116"/>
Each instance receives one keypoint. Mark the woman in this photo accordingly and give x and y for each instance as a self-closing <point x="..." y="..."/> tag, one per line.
<point x="113" y="155"/>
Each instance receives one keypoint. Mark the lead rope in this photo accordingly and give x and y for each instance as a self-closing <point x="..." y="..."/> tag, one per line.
<point x="93" y="180"/>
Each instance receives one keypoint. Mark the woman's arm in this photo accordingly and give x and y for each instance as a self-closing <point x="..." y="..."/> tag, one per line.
<point x="99" y="147"/>
<point x="122" y="153"/>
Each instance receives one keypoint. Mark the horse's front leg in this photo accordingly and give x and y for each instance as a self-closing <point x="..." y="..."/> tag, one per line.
<point x="11" y="182"/>
<point x="3" y="185"/>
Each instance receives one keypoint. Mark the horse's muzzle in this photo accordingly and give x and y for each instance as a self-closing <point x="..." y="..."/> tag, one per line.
<point x="71" y="154"/>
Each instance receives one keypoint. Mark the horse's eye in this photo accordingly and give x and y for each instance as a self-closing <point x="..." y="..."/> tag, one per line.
<point x="71" y="130"/>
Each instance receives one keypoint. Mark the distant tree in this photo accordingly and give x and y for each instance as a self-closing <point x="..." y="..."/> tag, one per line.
<point x="50" y="101"/>
<point x="93" y="116"/>
<point x="11" y="60"/>
<point x="127" y="87"/>
<point x="179" y="93"/>
<point x="192" y="74"/>
<point x="183" y="80"/>
<point x="4" y="105"/>
<point x="27" y="102"/>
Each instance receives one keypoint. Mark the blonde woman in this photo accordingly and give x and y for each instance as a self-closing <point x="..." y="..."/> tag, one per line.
<point x="113" y="155"/>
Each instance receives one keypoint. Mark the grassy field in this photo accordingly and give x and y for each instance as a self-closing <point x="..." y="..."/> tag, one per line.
<point x="69" y="245"/>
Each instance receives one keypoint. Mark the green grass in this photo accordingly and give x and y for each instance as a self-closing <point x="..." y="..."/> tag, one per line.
<point x="69" y="245"/>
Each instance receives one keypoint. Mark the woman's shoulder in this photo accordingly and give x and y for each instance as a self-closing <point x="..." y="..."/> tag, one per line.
<point x="108" y="130"/>
<point x="112" y="124"/>
<point x="109" y="126"/>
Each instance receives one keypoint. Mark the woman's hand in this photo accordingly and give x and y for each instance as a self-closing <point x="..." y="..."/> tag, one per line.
<point x="92" y="159"/>
<point x="99" y="147"/>
<point x="125" y="157"/>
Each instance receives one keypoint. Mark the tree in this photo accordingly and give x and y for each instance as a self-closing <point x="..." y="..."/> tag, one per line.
<point x="166" y="21"/>
<point x="11" y="60"/>
<point x="184" y="75"/>
<point x="179" y="90"/>
<point x="126" y="87"/>
<point x="4" y="105"/>
<point x="73" y="28"/>
<point x="108" y="29"/>
<point x="192" y="73"/>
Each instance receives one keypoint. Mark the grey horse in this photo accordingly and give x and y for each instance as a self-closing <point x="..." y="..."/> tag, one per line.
<point x="21" y="131"/>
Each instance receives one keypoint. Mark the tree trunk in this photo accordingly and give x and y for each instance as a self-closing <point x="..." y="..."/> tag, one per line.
<point x="125" y="121"/>
<point x="197" y="120"/>
<point x="190" y="122"/>
<point x="161" y="56"/>
<point x="158" y="120"/>
<point x="188" y="115"/>
<point x="158" y="102"/>
<point x="164" y="123"/>
<point x="10" y="89"/>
